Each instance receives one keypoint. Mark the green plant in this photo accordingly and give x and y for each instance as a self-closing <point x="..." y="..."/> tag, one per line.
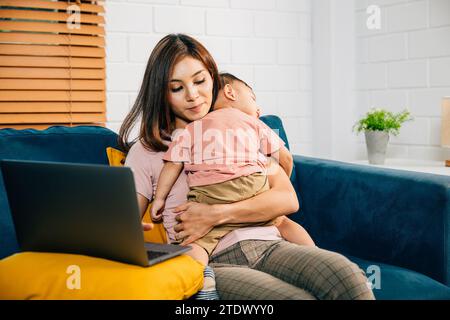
<point x="382" y="120"/>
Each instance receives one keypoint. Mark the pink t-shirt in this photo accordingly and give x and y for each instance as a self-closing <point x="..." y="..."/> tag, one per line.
<point x="147" y="165"/>
<point x="224" y="145"/>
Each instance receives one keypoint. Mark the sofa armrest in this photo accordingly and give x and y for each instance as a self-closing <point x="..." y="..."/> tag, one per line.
<point x="390" y="216"/>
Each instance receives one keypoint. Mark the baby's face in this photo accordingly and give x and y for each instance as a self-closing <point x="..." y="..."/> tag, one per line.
<point x="245" y="99"/>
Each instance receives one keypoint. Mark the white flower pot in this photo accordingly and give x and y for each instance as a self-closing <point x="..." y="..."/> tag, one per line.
<point x="376" y="142"/>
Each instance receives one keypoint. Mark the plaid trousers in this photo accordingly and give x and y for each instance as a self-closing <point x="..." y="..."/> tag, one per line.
<point x="280" y="270"/>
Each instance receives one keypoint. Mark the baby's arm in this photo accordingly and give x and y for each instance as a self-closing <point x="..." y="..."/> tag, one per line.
<point x="285" y="159"/>
<point x="167" y="178"/>
<point x="293" y="232"/>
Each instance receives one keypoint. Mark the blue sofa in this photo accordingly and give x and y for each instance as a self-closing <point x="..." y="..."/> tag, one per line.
<point x="394" y="224"/>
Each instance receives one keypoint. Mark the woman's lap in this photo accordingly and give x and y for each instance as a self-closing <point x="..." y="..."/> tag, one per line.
<point x="325" y="274"/>
<point x="243" y="283"/>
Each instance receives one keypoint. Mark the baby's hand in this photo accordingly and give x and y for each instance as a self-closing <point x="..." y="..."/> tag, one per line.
<point x="156" y="210"/>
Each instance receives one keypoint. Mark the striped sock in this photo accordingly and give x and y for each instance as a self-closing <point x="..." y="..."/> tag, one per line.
<point x="208" y="292"/>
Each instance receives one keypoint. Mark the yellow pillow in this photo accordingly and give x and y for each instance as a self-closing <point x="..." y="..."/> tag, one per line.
<point x="157" y="234"/>
<point x="55" y="276"/>
<point x="116" y="157"/>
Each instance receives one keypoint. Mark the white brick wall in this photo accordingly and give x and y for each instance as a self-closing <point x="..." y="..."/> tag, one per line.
<point x="266" y="42"/>
<point x="406" y="64"/>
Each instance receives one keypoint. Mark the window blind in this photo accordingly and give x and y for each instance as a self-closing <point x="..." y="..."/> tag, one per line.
<point x="52" y="63"/>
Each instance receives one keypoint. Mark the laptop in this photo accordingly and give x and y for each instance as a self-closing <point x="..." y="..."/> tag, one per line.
<point x="80" y="209"/>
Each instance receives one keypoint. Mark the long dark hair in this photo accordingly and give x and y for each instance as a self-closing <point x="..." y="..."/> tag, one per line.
<point x="151" y="105"/>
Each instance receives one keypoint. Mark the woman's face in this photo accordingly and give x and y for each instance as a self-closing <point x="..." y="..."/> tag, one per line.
<point x="190" y="90"/>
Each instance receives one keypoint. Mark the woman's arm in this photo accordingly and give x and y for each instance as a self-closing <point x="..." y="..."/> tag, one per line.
<point x="286" y="160"/>
<point x="197" y="219"/>
<point x="280" y="200"/>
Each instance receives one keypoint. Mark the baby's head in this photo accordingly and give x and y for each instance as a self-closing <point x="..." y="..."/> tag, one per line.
<point x="237" y="94"/>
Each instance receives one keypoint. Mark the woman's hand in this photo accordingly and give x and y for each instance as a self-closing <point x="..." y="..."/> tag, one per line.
<point x="195" y="221"/>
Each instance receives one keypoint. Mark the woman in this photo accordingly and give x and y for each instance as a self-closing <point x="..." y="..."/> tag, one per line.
<point x="180" y="85"/>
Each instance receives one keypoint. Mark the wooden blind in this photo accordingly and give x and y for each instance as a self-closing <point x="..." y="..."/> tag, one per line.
<point x="52" y="63"/>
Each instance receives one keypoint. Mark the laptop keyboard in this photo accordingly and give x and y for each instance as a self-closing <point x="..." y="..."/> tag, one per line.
<point x="155" y="254"/>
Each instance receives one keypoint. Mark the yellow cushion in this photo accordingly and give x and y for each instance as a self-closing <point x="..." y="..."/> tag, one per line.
<point x="157" y="234"/>
<point x="116" y="157"/>
<point x="31" y="275"/>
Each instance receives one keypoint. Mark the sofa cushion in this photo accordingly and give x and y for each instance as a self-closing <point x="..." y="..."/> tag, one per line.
<point x="391" y="216"/>
<point x="83" y="144"/>
<point x="30" y="275"/>
<point x="402" y="284"/>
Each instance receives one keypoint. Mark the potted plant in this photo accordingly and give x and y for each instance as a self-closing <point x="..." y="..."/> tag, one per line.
<point x="377" y="125"/>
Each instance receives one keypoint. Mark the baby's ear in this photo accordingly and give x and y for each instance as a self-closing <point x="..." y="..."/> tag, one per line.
<point x="229" y="92"/>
